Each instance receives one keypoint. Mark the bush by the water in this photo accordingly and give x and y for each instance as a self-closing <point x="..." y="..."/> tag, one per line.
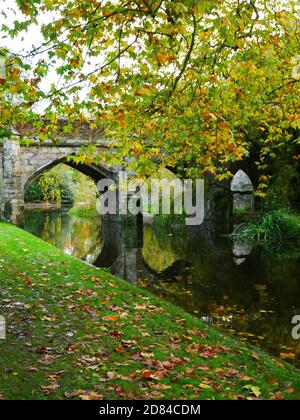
<point x="66" y="195"/>
<point x="34" y="193"/>
<point x="63" y="186"/>
<point x="54" y="186"/>
<point x="273" y="226"/>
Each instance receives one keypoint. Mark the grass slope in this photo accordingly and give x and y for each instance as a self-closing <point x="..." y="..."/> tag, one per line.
<point x="77" y="332"/>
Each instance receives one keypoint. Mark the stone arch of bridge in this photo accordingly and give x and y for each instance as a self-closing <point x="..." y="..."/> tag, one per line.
<point x="95" y="172"/>
<point x="20" y="165"/>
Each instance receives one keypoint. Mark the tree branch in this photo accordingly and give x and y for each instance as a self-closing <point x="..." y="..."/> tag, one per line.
<point x="188" y="55"/>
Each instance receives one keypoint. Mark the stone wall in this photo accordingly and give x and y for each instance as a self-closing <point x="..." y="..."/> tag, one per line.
<point x="242" y="189"/>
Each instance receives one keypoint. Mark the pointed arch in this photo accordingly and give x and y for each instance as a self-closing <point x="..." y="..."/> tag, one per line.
<point x="241" y="182"/>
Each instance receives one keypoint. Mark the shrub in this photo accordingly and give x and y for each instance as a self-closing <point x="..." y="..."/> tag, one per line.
<point x="273" y="226"/>
<point x="34" y="193"/>
<point x="51" y="187"/>
<point x="67" y="195"/>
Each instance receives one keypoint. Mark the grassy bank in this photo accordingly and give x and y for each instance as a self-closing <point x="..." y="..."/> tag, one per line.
<point x="75" y="331"/>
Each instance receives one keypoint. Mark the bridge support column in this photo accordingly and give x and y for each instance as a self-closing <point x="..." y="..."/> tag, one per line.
<point x="12" y="197"/>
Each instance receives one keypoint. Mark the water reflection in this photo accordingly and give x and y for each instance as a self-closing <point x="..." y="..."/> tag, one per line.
<point x="241" y="250"/>
<point x="78" y="237"/>
<point x="250" y="292"/>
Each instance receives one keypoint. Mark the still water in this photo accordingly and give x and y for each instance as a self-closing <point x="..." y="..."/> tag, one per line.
<point x="252" y="293"/>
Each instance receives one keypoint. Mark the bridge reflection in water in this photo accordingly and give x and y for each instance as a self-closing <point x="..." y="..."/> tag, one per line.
<point x="250" y="292"/>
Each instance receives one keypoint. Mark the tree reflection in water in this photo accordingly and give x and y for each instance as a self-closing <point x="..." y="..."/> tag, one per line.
<point x="252" y="293"/>
<point x="76" y="236"/>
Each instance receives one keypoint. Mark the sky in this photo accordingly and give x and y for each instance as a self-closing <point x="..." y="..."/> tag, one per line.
<point x="18" y="44"/>
<point x="27" y="40"/>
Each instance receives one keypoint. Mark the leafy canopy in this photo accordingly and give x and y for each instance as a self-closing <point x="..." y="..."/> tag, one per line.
<point x="191" y="85"/>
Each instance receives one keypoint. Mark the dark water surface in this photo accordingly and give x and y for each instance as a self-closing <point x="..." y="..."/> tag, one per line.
<point x="252" y="293"/>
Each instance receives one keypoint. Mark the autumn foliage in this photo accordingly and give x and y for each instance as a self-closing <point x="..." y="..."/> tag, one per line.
<point x="192" y="85"/>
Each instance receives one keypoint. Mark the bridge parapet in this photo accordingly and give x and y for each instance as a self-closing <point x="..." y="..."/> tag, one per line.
<point x="66" y="142"/>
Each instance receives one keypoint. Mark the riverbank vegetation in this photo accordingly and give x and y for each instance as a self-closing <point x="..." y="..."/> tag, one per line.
<point x="85" y="211"/>
<point x="275" y="226"/>
<point x="74" y="331"/>
<point x="63" y="186"/>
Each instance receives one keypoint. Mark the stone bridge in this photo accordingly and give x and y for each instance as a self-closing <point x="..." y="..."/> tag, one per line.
<point x="20" y="165"/>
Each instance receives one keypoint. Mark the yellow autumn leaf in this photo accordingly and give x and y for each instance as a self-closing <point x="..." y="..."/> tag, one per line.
<point x="93" y="78"/>
<point x="255" y="390"/>
<point x="287" y="355"/>
<point x="205" y="386"/>
<point x="260" y="194"/>
<point x="75" y="13"/>
<point x="137" y="146"/>
<point x="211" y="170"/>
<point x="163" y="58"/>
<point x="123" y="123"/>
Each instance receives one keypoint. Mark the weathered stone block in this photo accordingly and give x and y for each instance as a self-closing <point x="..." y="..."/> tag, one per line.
<point x="241" y="182"/>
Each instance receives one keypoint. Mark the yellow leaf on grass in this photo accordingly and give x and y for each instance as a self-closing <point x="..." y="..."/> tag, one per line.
<point x="287" y="355"/>
<point x="111" y="318"/>
<point x="205" y="386"/>
<point x="255" y="390"/>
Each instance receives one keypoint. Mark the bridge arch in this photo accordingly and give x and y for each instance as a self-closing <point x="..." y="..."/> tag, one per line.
<point x="95" y="172"/>
<point x="20" y="165"/>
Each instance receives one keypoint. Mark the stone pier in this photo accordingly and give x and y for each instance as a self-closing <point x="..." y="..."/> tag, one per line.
<point x="11" y="194"/>
<point x="242" y="189"/>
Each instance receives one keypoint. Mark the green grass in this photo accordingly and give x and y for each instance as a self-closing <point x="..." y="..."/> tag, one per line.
<point x="275" y="226"/>
<point x="74" y="331"/>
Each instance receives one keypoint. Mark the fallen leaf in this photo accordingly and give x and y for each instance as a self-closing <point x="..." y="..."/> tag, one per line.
<point x="111" y="318"/>
<point x="255" y="390"/>
<point x="205" y="386"/>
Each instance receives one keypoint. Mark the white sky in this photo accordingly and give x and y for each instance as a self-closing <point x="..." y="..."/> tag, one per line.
<point x="24" y="42"/>
<point x="27" y="40"/>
